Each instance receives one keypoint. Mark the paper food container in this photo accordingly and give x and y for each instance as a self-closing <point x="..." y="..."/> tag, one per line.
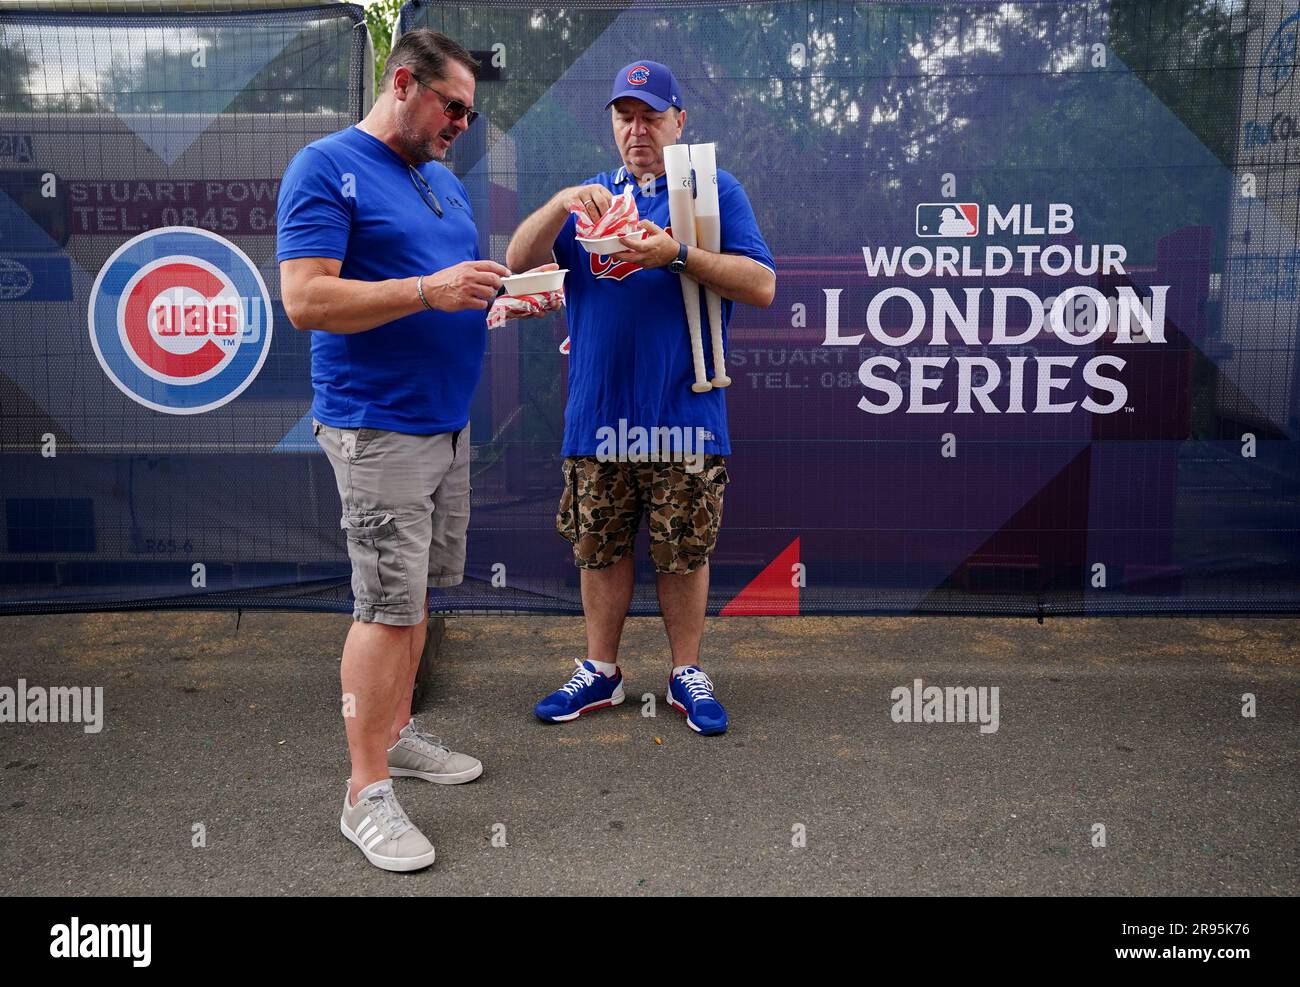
<point x="606" y="245"/>
<point x="534" y="283"/>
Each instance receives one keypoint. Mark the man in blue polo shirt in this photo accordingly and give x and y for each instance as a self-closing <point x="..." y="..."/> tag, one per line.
<point x="630" y="375"/>
<point x="379" y="260"/>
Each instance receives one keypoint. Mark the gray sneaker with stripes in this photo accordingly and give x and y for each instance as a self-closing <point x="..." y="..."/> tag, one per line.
<point x="418" y="754"/>
<point x="379" y="826"/>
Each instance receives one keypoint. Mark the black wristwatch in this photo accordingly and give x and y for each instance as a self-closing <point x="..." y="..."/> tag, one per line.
<point x="678" y="266"/>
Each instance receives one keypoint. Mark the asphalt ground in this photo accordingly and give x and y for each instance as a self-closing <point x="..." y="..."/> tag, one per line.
<point x="1134" y="724"/>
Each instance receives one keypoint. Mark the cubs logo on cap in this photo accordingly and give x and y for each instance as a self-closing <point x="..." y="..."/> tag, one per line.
<point x="180" y="320"/>
<point x="650" y="82"/>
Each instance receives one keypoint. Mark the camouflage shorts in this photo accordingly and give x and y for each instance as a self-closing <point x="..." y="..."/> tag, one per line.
<point x="602" y="504"/>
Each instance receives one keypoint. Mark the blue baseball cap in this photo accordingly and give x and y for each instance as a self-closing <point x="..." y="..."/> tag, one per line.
<point x="650" y="82"/>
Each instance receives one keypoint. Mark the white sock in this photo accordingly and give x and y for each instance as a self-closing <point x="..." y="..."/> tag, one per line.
<point x="606" y="668"/>
<point x="680" y="670"/>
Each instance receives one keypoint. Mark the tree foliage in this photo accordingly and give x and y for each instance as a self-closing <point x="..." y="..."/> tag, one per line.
<point x="381" y="16"/>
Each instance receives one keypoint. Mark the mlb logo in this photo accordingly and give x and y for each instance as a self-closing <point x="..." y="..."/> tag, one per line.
<point x="947" y="219"/>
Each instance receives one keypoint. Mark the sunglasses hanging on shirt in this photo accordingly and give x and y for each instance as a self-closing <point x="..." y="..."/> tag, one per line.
<point x="426" y="193"/>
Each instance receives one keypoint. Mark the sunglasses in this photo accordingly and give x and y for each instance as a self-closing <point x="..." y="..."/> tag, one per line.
<point x="454" y="109"/>
<point x="426" y="193"/>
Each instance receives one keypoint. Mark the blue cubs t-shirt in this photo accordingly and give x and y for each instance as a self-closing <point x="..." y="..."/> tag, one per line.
<point x="629" y="345"/>
<point x="351" y="197"/>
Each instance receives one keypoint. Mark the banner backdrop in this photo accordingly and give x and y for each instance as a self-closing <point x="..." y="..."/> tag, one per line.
<point x="1033" y="347"/>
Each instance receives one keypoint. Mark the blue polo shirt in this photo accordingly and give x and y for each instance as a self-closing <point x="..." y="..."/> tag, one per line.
<point x="629" y="345"/>
<point x="351" y="197"/>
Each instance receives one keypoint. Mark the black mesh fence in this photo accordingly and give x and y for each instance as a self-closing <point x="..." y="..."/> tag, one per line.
<point x="1086" y="400"/>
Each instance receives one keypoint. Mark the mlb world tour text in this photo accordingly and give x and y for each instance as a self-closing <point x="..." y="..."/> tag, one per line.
<point x="1078" y="315"/>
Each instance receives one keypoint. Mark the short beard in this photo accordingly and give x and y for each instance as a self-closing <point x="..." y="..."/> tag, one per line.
<point x="418" y="148"/>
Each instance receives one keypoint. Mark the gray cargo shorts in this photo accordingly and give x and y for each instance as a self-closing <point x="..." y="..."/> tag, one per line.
<point x="405" y="513"/>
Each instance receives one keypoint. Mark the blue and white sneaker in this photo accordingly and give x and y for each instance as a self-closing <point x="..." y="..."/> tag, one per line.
<point x="586" y="691"/>
<point x="691" y="693"/>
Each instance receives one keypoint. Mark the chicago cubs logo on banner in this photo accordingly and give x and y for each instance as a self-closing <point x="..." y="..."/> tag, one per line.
<point x="180" y="320"/>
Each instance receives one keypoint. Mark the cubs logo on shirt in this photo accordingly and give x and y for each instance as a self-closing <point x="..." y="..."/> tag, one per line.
<point x="617" y="270"/>
<point x="180" y="320"/>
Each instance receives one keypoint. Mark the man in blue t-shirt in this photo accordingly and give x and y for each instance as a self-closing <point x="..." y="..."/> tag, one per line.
<point x="637" y="439"/>
<point x="379" y="260"/>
